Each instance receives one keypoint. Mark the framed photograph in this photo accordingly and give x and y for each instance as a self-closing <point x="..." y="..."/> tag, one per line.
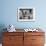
<point x="26" y="14"/>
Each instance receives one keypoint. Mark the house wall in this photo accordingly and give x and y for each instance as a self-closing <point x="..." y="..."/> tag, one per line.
<point x="8" y="13"/>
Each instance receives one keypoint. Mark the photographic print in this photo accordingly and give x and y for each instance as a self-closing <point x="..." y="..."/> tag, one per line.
<point x="26" y="14"/>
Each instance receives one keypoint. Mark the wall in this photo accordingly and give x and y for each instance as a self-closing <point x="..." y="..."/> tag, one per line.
<point x="9" y="13"/>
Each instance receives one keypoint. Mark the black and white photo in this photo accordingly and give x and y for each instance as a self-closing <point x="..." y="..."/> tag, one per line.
<point x="26" y="14"/>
